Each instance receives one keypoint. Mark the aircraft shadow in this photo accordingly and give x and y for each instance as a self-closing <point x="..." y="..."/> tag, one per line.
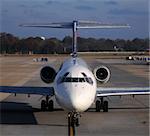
<point x="119" y="108"/>
<point x="16" y="113"/>
<point x="13" y="113"/>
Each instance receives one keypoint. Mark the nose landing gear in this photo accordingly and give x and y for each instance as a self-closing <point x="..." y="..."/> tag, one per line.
<point x="73" y="121"/>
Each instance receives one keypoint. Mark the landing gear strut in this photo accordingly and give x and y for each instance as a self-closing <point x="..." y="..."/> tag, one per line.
<point x="73" y="121"/>
<point x="47" y="105"/>
<point x="101" y="104"/>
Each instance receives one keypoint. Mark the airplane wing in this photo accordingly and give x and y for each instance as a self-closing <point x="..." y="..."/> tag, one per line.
<point x="28" y="90"/>
<point x="104" y="92"/>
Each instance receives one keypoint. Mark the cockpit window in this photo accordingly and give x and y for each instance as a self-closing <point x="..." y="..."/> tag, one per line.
<point x="84" y="74"/>
<point x="64" y="78"/>
<point x="61" y="79"/>
<point x="75" y="79"/>
<point x="88" y="79"/>
<point x="72" y="79"/>
<point x="67" y="79"/>
<point x="81" y="80"/>
<point x="66" y="74"/>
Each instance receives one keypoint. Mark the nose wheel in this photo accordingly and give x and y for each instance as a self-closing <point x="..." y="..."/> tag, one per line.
<point x="101" y="104"/>
<point x="73" y="121"/>
<point x="47" y="104"/>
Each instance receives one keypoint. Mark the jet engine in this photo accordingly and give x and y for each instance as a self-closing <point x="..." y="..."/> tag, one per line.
<point x="48" y="74"/>
<point x="102" y="74"/>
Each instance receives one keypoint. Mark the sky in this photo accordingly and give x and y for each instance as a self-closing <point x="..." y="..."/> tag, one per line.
<point x="132" y="12"/>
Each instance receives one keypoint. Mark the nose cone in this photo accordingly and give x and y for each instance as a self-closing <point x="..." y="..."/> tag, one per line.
<point x="75" y="92"/>
<point x="80" y="102"/>
<point x="77" y="105"/>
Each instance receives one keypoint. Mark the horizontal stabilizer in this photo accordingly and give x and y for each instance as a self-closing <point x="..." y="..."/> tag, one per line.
<point x="49" y="25"/>
<point x="93" y="24"/>
<point x="80" y="25"/>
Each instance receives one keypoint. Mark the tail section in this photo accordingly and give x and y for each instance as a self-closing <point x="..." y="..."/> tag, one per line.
<point x="75" y="25"/>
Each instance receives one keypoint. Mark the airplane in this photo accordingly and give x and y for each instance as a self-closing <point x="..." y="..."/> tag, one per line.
<point x="75" y="85"/>
<point x="139" y="59"/>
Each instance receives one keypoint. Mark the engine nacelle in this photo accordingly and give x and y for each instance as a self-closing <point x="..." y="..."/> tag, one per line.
<point x="48" y="74"/>
<point x="102" y="74"/>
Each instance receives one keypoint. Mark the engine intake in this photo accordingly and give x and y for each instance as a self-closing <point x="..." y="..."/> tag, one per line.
<point x="48" y="74"/>
<point x="102" y="74"/>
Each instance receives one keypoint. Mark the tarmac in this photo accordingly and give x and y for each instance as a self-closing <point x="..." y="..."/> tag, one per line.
<point x="21" y="115"/>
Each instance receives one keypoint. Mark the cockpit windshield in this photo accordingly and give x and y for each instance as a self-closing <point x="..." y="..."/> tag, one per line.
<point x="66" y="79"/>
<point x="73" y="79"/>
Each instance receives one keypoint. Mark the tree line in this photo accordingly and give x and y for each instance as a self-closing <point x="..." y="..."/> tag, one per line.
<point x="11" y="44"/>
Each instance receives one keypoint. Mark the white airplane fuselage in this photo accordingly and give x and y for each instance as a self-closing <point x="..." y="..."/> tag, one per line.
<point x="75" y="86"/>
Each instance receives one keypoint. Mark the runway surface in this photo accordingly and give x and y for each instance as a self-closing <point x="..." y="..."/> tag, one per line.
<point x="21" y="116"/>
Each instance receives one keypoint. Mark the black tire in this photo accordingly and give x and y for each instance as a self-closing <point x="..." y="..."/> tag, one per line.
<point x="98" y="106"/>
<point x="51" y="105"/>
<point x="77" y="122"/>
<point x="43" y="105"/>
<point x="105" y="106"/>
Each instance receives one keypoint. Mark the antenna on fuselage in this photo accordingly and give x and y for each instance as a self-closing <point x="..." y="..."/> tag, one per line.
<point x="75" y="25"/>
